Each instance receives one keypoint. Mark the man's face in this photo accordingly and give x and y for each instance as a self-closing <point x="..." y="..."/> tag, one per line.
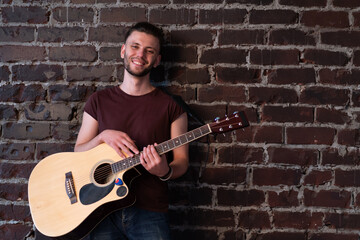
<point x="140" y="53"/>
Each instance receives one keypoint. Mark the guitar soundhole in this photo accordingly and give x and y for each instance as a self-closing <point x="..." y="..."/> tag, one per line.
<point x="103" y="174"/>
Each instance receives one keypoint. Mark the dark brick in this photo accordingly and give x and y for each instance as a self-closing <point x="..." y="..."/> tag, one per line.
<point x="98" y="73"/>
<point x="324" y="95"/>
<point x="173" y="16"/>
<point x="42" y="73"/>
<point x="46" y="111"/>
<point x="190" y="196"/>
<point x="21" y="93"/>
<point x="256" y="2"/>
<point x="180" y="234"/>
<point x="260" y="95"/>
<point x="222" y="93"/>
<point x="240" y="198"/>
<point x="346" y="3"/>
<point x="283" y="199"/>
<point x="251" y="219"/>
<point x="241" y="37"/>
<point x="279" y="236"/>
<point x="260" y="134"/>
<point x="237" y="75"/>
<point x="339" y="76"/>
<point x="180" y="54"/>
<point x="304" y="3"/>
<point x="15" y="212"/>
<point x="237" y="155"/>
<point x="187" y="94"/>
<point x="197" y="36"/>
<point x="73" y="93"/>
<point x="225" y="175"/>
<point x="223" y="55"/>
<point x="310" y="135"/>
<point x="10" y="171"/>
<point x="21" y="53"/>
<point x="350" y="178"/>
<point x="30" y="14"/>
<point x="17" y="34"/>
<point x="184" y="75"/>
<point x="298" y="220"/>
<point x="287" y="114"/>
<point x="114" y="15"/>
<point x="356" y="98"/>
<point x="341" y="38"/>
<point x="301" y="157"/>
<point x="195" y="1"/>
<point x="222" y="16"/>
<point x="356" y="16"/>
<point x="291" y="76"/>
<point x="45" y="149"/>
<point x="233" y="235"/>
<point x="110" y="54"/>
<point x="324" y="115"/>
<point x="324" y="57"/>
<point x="325" y="19"/>
<point x="61" y="34"/>
<point x="8" y="112"/>
<point x="146" y="1"/>
<point x="209" y="113"/>
<point x="274" y="176"/>
<point x="64" y="131"/>
<point x="327" y="198"/>
<point x="349" y="137"/>
<point x="25" y="131"/>
<point x="17" y="151"/>
<point x="333" y="236"/>
<point x="14" y="231"/>
<point x="73" y="53"/>
<point x="113" y="34"/>
<point x="333" y="157"/>
<point x="13" y="192"/>
<point x="4" y="73"/>
<point x="291" y="37"/>
<point x="318" y="177"/>
<point x="274" y="57"/>
<point x="273" y="17"/>
<point x="342" y="220"/>
<point x="81" y="14"/>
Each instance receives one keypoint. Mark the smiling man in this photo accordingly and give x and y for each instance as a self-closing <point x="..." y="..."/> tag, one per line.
<point x="131" y="117"/>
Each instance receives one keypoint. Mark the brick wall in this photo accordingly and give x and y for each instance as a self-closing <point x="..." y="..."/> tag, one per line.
<point x="292" y="65"/>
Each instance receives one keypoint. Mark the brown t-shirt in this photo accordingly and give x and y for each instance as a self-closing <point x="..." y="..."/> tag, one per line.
<point x="147" y="120"/>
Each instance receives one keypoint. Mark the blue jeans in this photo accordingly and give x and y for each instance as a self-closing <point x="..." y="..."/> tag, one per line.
<point x="133" y="224"/>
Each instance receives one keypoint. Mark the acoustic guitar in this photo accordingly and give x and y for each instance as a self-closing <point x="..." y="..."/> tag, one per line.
<point x="71" y="192"/>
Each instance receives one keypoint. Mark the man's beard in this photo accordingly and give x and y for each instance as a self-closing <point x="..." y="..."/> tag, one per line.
<point x="139" y="74"/>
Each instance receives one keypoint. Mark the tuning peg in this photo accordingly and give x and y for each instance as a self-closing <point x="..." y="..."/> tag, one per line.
<point x="236" y="113"/>
<point x="226" y="117"/>
<point x="217" y="119"/>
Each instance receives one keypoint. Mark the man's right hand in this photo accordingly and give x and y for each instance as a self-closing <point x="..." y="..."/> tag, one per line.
<point x="119" y="141"/>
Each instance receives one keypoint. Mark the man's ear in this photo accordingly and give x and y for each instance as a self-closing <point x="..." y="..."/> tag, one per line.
<point x="122" y="52"/>
<point x="157" y="61"/>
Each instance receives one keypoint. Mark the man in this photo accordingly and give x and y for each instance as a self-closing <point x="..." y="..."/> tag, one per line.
<point x="133" y="116"/>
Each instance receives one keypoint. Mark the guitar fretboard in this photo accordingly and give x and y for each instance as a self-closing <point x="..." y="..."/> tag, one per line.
<point x="162" y="148"/>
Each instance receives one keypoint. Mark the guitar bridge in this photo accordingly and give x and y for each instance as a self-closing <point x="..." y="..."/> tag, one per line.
<point x="70" y="187"/>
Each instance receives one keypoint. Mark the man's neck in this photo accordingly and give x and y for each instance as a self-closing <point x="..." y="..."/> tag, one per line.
<point x="136" y="86"/>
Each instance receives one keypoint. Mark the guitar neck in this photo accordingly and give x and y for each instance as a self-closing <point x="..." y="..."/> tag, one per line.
<point x="164" y="147"/>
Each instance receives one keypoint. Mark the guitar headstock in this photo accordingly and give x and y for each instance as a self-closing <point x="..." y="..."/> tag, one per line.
<point x="228" y="123"/>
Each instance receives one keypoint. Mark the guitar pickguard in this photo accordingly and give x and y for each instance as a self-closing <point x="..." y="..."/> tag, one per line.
<point x="90" y="193"/>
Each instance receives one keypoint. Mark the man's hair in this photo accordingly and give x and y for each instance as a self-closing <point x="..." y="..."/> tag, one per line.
<point x="148" y="28"/>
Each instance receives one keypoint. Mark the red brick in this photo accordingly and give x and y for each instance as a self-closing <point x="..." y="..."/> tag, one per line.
<point x="17" y="34"/>
<point x="130" y="14"/>
<point x="15" y="212"/>
<point x="231" y="235"/>
<point x="260" y="134"/>
<point x="14" y="231"/>
<point x="325" y="57"/>
<point x="324" y="95"/>
<point x="13" y="192"/>
<point x="241" y="37"/>
<point x="310" y="135"/>
<point x="350" y="178"/>
<point x="222" y="93"/>
<point x="291" y="76"/>
<point x="4" y="73"/>
<point x="356" y="16"/>
<point x="237" y="75"/>
<point x="342" y="221"/>
<point x="324" y="115"/>
<point x="341" y="38"/>
<point x="45" y="149"/>
<point x="274" y="57"/>
<point x="325" y="19"/>
<point x="273" y="17"/>
<point x="327" y="198"/>
<point x="283" y="199"/>
<point x="196" y="1"/>
<point x="349" y="137"/>
<point x="254" y="219"/>
<point x="356" y="98"/>
<point x="298" y="220"/>
<point x="184" y="75"/>
<point x="346" y="3"/>
<point x="255" y="2"/>
<point x="333" y="157"/>
<point x="146" y="1"/>
<point x="304" y="3"/>
<point x="21" y="93"/>
<point x="260" y="95"/>
<point x="21" y="53"/>
<point x="318" y="177"/>
<point x="196" y="36"/>
<point x="73" y="53"/>
<point x="17" y="151"/>
<point x="30" y="14"/>
<point x="110" y="54"/>
<point x="279" y="236"/>
<point x="339" y="76"/>
<point x="113" y="34"/>
<point x="224" y="175"/>
<point x="173" y="16"/>
<point x="301" y="157"/>
<point x="186" y="93"/>
<point x="274" y="176"/>
<point x="223" y="55"/>
<point x="291" y="37"/>
<point x="287" y="114"/>
<point x="12" y="171"/>
<point x="41" y="72"/>
<point x="63" y="34"/>
<point x="240" y="198"/>
<point x="70" y="14"/>
<point x="223" y="16"/>
<point x="238" y="154"/>
<point x="356" y="60"/>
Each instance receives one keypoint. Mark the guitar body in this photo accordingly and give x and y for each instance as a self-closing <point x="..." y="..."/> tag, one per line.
<point x="70" y="193"/>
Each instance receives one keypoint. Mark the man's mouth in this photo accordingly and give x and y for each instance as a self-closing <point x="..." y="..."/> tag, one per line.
<point x="138" y="62"/>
